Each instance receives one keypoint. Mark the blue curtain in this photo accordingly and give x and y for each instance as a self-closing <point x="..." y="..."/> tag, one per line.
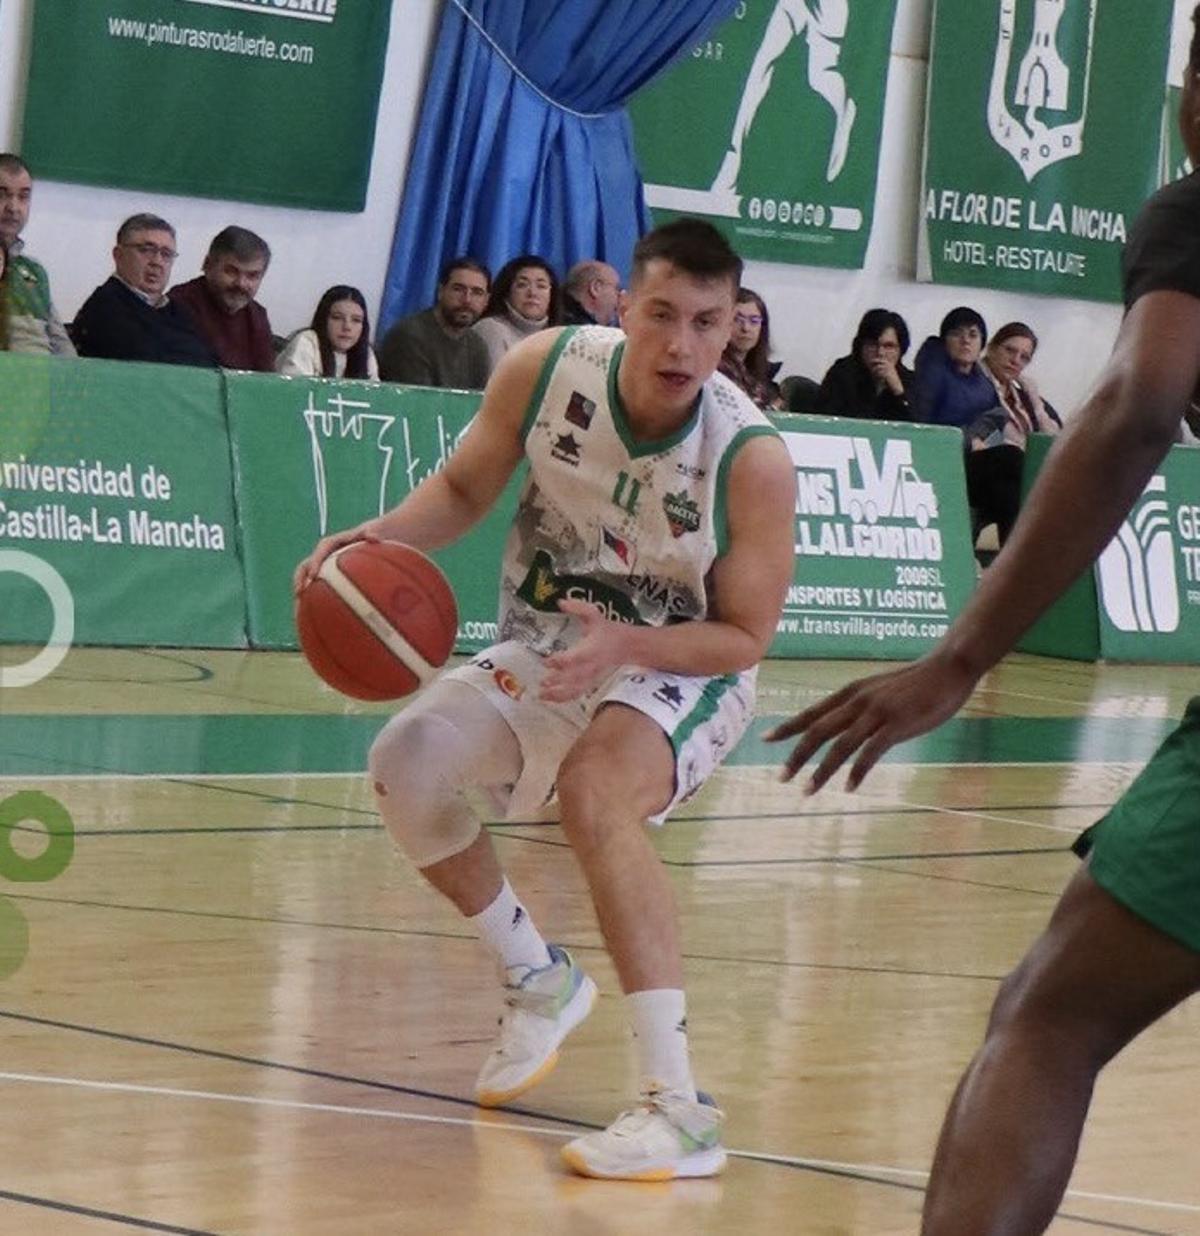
<point x="536" y="158"/>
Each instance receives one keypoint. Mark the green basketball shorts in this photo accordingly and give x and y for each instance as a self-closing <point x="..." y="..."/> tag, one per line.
<point x="1146" y="851"/>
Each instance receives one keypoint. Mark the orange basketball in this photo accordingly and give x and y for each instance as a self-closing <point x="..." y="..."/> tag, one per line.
<point x="378" y="621"/>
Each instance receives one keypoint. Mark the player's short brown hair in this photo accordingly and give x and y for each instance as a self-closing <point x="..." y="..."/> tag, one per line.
<point x="694" y="246"/>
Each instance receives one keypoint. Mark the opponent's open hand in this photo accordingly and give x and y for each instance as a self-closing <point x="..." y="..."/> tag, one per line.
<point x="868" y="716"/>
<point x="598" y="651"/>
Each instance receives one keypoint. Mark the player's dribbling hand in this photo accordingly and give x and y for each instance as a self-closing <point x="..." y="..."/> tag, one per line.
<point x="597" y="653"/>
<point x="307" y="570"/>
<point x="870" y="715"/>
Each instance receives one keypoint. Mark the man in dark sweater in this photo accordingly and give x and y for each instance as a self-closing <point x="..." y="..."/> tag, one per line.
<point x="221" y="300"/>
<point x="436" y="347"/>
<point x="129" y="317"/>
<point x="591" y="293"/>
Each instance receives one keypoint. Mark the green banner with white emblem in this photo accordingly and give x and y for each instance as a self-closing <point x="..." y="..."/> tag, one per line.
<point x="313" y="456"/>
<point x="771" y="128"/>
<point x="1141" y="600"/>
<point x="1044" y="135"/>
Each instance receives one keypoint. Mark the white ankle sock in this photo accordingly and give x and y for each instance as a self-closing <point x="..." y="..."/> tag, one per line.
<point x="506" y="928"/>
<point x="659" y="1021"/>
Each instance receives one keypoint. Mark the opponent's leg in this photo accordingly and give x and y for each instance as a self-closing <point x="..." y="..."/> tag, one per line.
<point x="423" y="764"/>
<point x="1097" y="977"/>
<point x="621" y="772"/>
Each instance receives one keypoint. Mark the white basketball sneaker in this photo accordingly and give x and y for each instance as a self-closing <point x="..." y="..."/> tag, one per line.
<point x="668" y="1135"/>
<point x="542" y="1008"/>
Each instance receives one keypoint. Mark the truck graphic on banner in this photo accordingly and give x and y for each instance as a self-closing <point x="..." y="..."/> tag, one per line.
<point x="851" y="504"/>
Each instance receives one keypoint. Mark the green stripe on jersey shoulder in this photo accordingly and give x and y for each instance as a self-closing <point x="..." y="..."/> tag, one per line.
<point x="620" y="417"/>
<point x="711" y="695"/>
<point x="539" y="391"/>
<point x="721" y="511"/>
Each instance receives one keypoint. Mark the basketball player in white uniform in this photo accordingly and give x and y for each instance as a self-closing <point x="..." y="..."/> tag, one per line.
<point x="641" y="584"/>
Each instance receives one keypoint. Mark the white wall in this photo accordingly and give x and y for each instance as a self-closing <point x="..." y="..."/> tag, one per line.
<point x="814" y="311"/>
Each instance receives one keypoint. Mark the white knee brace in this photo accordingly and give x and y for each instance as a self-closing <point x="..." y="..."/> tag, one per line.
<point x="426" y="759"/>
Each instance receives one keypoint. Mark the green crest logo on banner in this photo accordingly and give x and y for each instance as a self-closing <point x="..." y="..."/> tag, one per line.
<point x="1034" y="113"/>
<point x="1043" y="139"/>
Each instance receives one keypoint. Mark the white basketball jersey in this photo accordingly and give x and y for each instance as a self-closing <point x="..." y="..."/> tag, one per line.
<point x="631" y="527"/>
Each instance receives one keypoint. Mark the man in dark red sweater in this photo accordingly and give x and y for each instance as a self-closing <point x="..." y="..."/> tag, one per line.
<point x="221" y="300"/>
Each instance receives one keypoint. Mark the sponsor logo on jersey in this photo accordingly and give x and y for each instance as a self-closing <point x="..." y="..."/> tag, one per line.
<point x="580" y="410"/>
<point x="509" y="683"/>
<point x="566" y="449"/>
<point x="668" y="693"/>
<point x="691" y="471"/>
<point x="683" y="515"/>
<point x="617" y="554"/>
<point x="543" y="588"/>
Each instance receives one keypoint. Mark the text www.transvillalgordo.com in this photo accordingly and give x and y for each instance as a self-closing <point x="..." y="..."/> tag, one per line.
<point x="229" y="42"/>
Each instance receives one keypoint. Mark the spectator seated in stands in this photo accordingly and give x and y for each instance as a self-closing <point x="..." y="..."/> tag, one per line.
<point x="525" y="299"/>
<point x="872" y="383"/>
<point x="338" y="344"/>
<point x="590" y="294"/>
<point x="3" y="297"/>
<point x="996" y="439"/>
<point x="951" y="387"/>
<point x="799" y="393"/>
<point x="221" y="300"/>
<point x="437" y="347"/>
<point x="33" y="322"/>
<point x="746" y="360"/>
<point x="130" y="317"/>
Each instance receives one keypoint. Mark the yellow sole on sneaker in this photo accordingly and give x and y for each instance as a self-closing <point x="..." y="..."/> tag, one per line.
<point x="577" y="1163"/>
<point x="494" y="1098"/>
<point x="705" y="1163"/>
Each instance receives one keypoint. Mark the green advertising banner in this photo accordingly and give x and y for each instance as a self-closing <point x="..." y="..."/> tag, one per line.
<point x="1044" y="135"/>
<point x="883" y="538"/>
<point x="312" y="456"/>
<point x="1141" y="602"/>
<point x="1070" y="627"/>
<point x="1148" y="578"/>
<point x="116" y="503"/>
<point x="771" y="129"/>
<point x="251" y="100"/>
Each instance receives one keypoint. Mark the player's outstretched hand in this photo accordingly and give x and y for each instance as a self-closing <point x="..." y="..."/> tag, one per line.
<point x="307" y="570"/>
<point x="866" y="717"/>
<point x="598" y="651"/>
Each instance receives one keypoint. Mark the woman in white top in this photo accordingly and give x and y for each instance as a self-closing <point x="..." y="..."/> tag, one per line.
<point x="996" y="440"/>
<point x="337" y="345"/>
<point x="525" y="298"/>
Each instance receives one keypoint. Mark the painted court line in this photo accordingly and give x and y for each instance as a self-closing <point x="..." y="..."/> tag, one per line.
<point x="486" y="1123"/>
<point x="994" y="818"/>
<point x="361" y="775"/>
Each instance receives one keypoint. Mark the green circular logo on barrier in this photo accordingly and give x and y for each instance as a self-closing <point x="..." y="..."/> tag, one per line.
<point x="34" y="806"/>
<point x="14" y="938"/>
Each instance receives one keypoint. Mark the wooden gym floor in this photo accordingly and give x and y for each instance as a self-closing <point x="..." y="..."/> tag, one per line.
<point x="241" y="1013"/>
